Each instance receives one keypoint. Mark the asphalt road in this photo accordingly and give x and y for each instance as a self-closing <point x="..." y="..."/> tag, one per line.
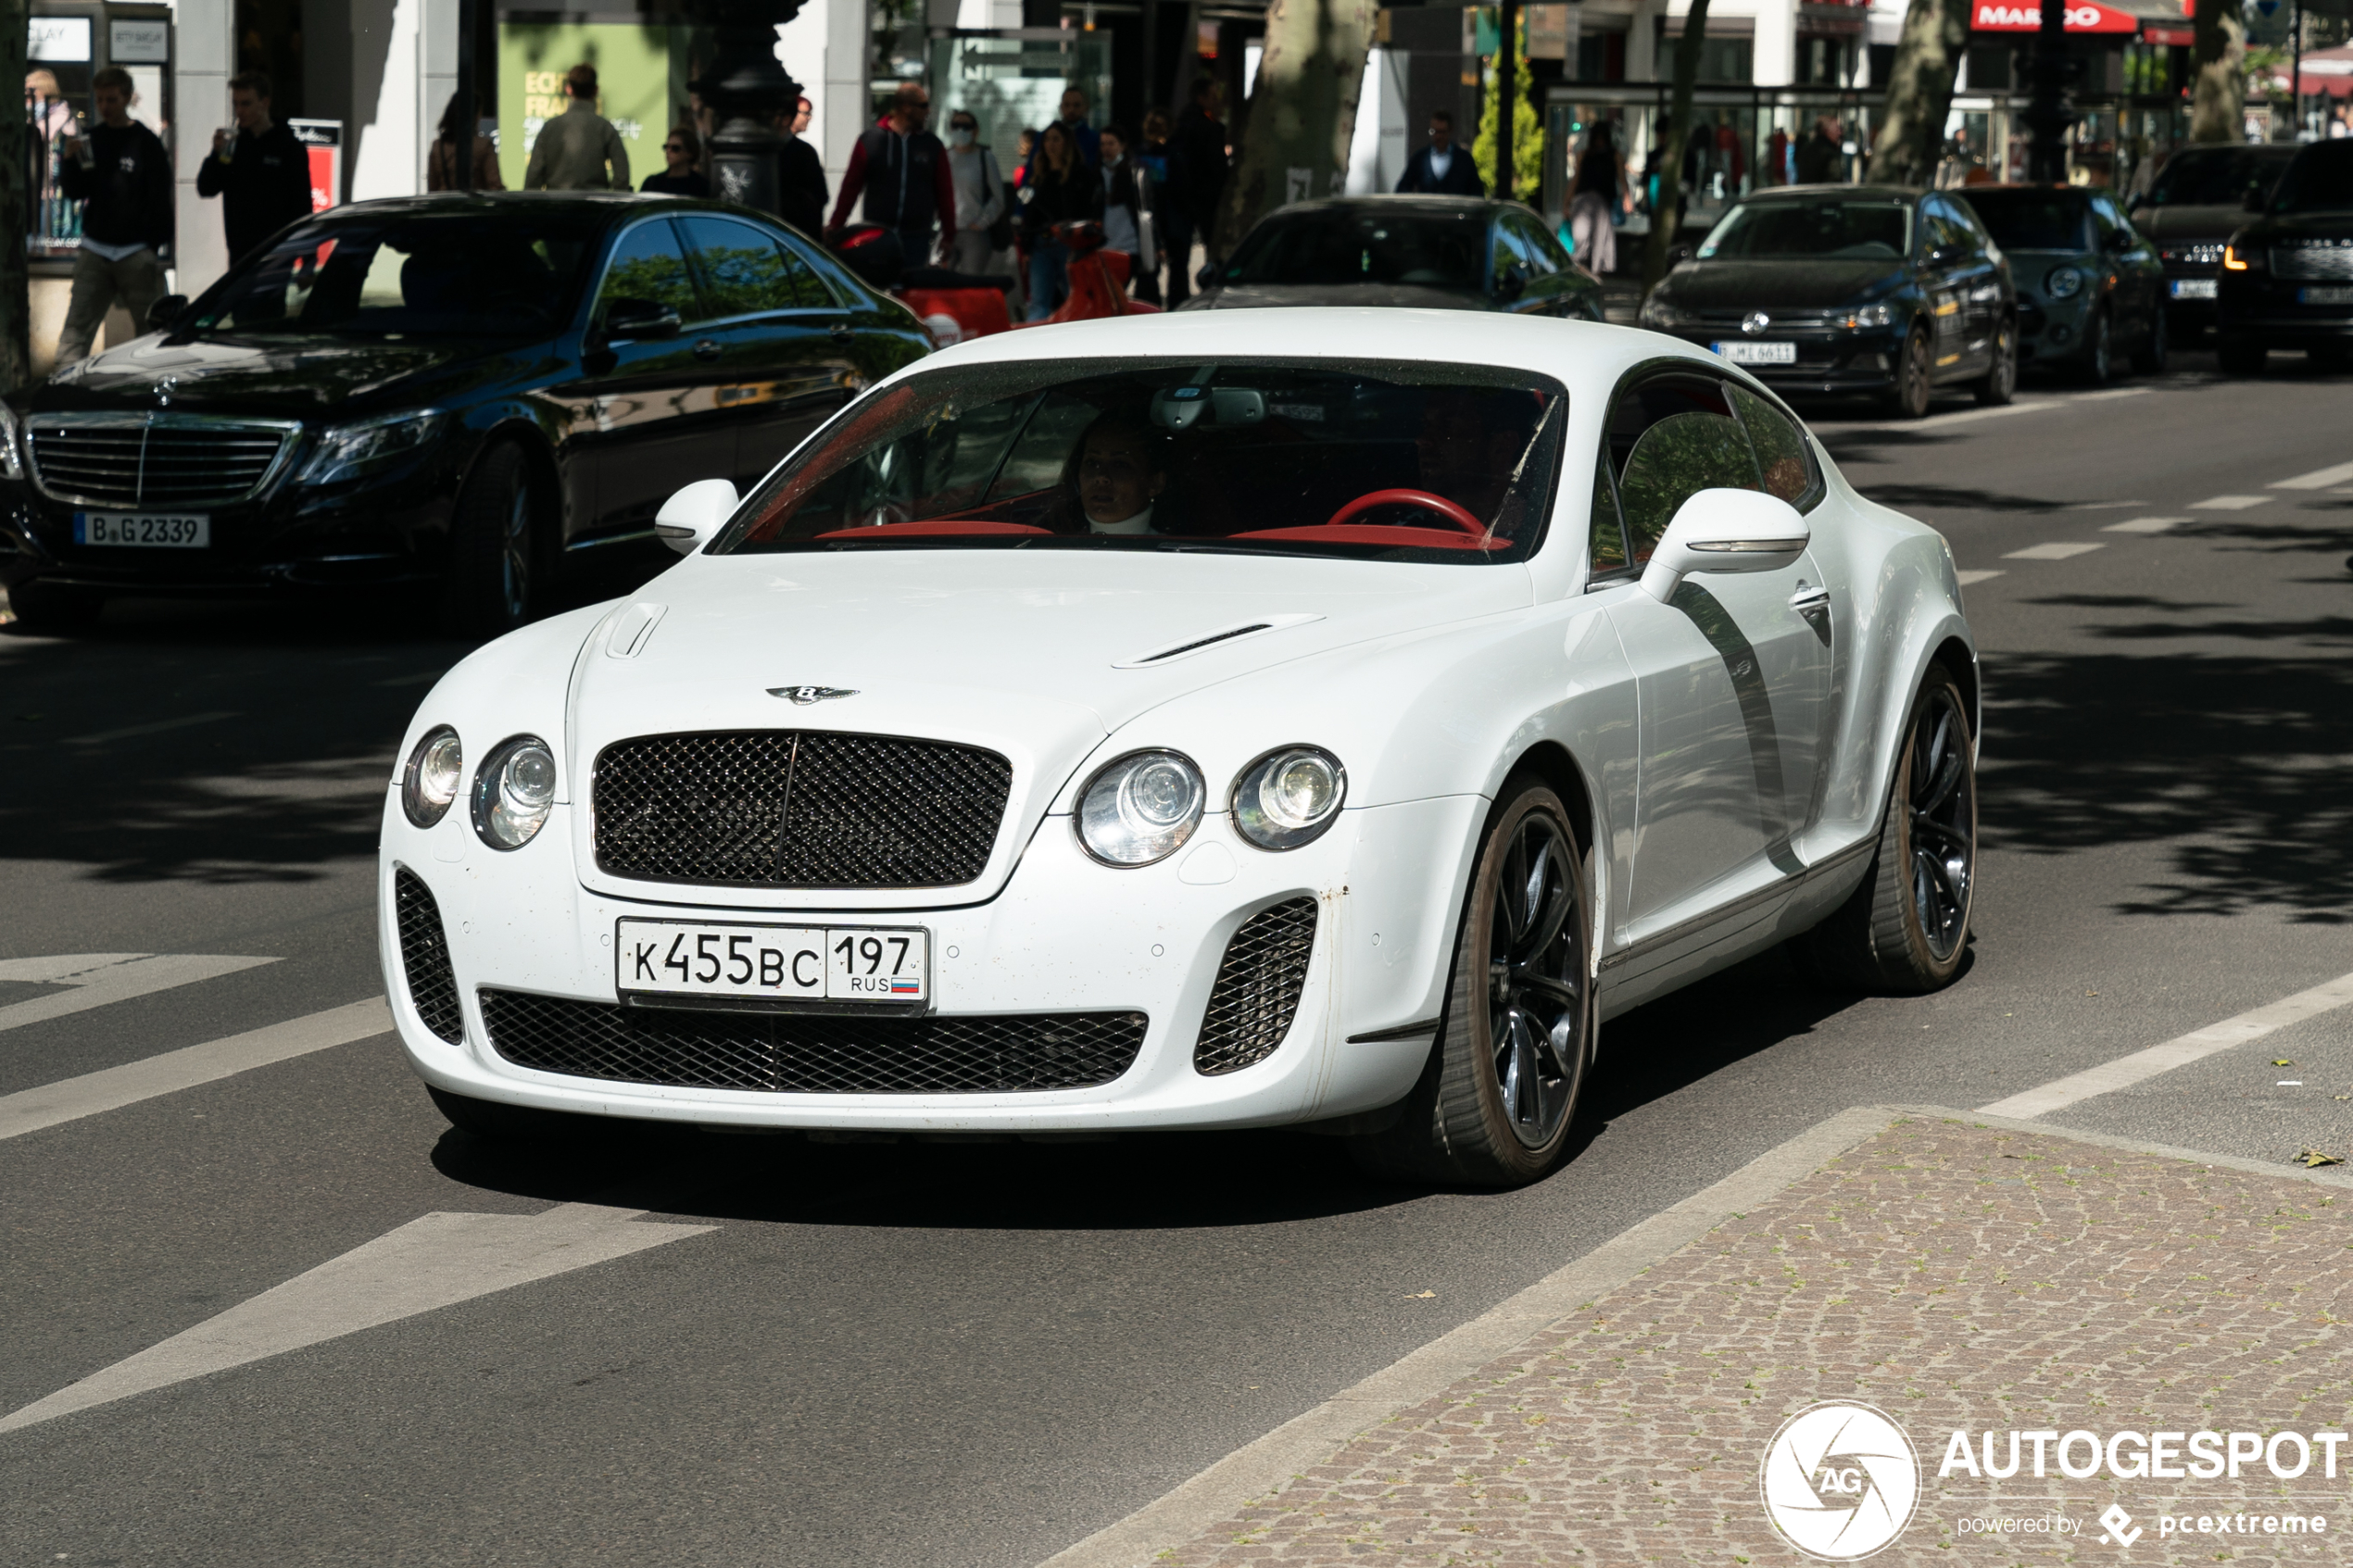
<point x="935" y="1354"/>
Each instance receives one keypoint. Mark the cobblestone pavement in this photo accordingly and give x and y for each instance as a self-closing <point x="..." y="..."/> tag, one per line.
<point x="1956" y="1277"/>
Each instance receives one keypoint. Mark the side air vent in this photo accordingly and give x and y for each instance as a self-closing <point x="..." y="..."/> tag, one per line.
<point x="1257" y="997"/>
<point x="1194" y="644"/>
<point x="424" y="955"/>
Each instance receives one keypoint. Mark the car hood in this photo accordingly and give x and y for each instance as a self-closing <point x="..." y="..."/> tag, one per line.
<point x="1042" y="658"/>
<point x="2290" y="227"/>
<point x="2181" y="225"/>
<point x="288" y="378"/>
<point x="1392" y="296"/>
<point x="1733" y="286"/>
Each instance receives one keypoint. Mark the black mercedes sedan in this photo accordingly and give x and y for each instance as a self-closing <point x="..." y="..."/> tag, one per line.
<point x="1446" y="253"/>
<point x="2287" y="277"/>
<point x="2198" y="201"/>
<point x="1874" y="289"/>
<point x="467" y="393"/>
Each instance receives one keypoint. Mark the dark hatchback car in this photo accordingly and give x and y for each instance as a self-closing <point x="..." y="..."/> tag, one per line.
<point x="468" y="392"/>
<point x="1452" y="253"/>
<point x="2196" y="203"/>
<point x="2089" y="288"/>
<point x="1851" y="289"/>
<point x="2287" y="277"/>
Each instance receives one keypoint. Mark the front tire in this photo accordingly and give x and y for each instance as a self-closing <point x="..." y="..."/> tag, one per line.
<point x="1908" y="398"/>
<point x="495" y="578"/>
<point x="2097" y="367"/>
<point x="1905" y="931"/>
<point x="2149" y="358"/>
<point x="1999" y="384"/>
<point x="53" y="609"/>
<point x="1495" y="1102"/>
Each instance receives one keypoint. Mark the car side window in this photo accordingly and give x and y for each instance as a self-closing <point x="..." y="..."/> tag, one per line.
<point x="1510" y="251"/>
<point x="747" y="272"/>
<point x="2108" y="220"/>
<point x="1947" y="235"/>
<point x="1782" y="455"/>
<point x="649" y="264"/>
<point x="1536" y="245"/>
<point x="1671" y="437"/>
<point x="1606" y="551"/>
<point x="1975" y="234"/>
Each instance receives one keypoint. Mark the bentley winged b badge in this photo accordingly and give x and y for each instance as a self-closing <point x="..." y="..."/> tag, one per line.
<point x="803" y="696"/>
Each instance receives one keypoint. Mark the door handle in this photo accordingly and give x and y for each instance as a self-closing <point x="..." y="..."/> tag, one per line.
<point x="1810" y="601"/>
<point x="707" y="349"/>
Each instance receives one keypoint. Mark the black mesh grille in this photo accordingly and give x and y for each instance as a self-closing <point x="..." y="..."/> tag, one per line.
<point x="1257" y="991"/>
<point x="801" y="1054"/>
<point x="424" y="954"/>
<point x="799" y="809"/>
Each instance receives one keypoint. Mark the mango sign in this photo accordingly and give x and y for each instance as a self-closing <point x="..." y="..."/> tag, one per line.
<point x="2084" y="16"/>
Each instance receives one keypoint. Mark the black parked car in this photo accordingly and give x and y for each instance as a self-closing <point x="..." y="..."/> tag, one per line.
<point x="1851" y="288"/>
<point x="2089" y="286"/>
<point x="2198" y="200"/>
<point x="464" y="391"/>
<point x="1457" y="253"/>
<point x="2287" y="277"/>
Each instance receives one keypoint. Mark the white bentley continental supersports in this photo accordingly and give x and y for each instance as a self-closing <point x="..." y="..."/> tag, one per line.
<point x="1308" y="718"/>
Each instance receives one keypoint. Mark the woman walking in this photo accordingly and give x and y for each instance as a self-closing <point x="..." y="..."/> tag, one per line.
<point x="1601" y="186"/>
<point x="1061" y="190"/>
<point x="441" y="161"/>
<point x="981" y="197"/>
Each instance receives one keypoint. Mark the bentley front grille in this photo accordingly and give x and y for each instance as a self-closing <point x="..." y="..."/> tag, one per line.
<point x="1256" y="995"/>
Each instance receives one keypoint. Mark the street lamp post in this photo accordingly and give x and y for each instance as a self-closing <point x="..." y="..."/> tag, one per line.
<point x="2048" y="113"/>
<point x="745" y="90"/>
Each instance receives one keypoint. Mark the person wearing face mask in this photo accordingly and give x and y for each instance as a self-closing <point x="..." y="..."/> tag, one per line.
<point x="1128" y="213"/>
<point x="800" y="175"/>
<point x="982" y="201"/>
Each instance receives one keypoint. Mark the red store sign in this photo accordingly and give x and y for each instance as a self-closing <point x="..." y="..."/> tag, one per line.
<point x="2084" y="16"/>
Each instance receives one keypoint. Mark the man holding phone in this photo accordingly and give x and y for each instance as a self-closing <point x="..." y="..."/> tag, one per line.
<point x="122" y="173"/>
<point x="259" y="171"/>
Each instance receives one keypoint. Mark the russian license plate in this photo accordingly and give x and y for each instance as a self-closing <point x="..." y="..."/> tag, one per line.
<point x="2193" y="288"/>
<point x="1757" y="353"/>
<point x="2338" y="293"/>
<point x="715" y="962"/>
<point x="174" y="530"/>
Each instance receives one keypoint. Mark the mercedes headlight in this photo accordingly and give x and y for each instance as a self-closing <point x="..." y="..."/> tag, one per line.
<point x="1289" y="797"/>
<point x="11" y="444"/>
<point x="1660" y="311"/>
<point x="2063" y="282"/>
<point x="430" y="782"/>
<point x="513" y="791"/>
<point x="1140" y="808"/>
<point x="354" y="451"/>
<point x="1880" y="315"/>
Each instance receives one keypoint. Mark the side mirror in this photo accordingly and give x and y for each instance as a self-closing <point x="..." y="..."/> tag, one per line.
<point x="1725" y="531"/>
<point x="2117" y="239"/>
<point x="691" y="517"/>
<point x="164" y="311"/>
<point x="631" y="319"/>
<point x="1513" y="284"/>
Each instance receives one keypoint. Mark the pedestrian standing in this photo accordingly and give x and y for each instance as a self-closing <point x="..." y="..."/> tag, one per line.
<point x="681" y="151"/>
<point x="902" y="169"/>
<point x="1061" y="190"/>
<point x="1129" y="221"/>
<point x="260" y="171"/>
<point x="800" y="175"/>
<point x="982" y="202"/>
<point x="1595" y="199"/>
<point x="1441" y="169"/>
<point x="441" y="163"/>
<point x="1196" y="169"/>
<point x="122" y="175"/>
<point x="1819" y="154"/>
<point x="1083" y="136"/>
<point x="579" y="149"/>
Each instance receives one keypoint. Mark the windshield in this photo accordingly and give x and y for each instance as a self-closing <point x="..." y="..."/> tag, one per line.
<point x="2033" y="220"/>
<point x="1361" y="460"/>
<point x="1829" y="230"/>
<point x="1444" y="250"/>
<point x="2214" y="176"/>
<point x="462" y="274"/>
<point x="2320" y="180"/>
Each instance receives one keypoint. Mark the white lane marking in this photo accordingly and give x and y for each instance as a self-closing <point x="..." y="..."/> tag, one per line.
<point x="1968" y="577"/>
<point x="2319" y="479"/>
<point x="2112" y="395"/>
<point x="434" y="1262"/>
<point x="2146" y="525"/>
<point x="2229" y="503"/>
<point x="2102" y="505"/>
<point x="159" y="727"/>
<point x="69" y="1099"/>
<point x="2056" y="550"/>
<point x="2127" y="1070"/>
<point x="100" y="978"/>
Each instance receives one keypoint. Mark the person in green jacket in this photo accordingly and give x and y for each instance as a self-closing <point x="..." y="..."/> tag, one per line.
<point x="578" y="150"/>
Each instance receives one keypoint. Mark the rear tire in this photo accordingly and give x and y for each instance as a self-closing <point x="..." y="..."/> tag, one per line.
<point x="1908" y="398"/>
<point x="1496" y="1100"/>
<point x="1905" y="931"/>
<point x="494" y="579"/>
<point x="1999" y="385"/>
<point x="53" y="608"/>
<point x="2238" y="356"/>
<point x="2097" y="366"/>
<point x="2149" y="358"/>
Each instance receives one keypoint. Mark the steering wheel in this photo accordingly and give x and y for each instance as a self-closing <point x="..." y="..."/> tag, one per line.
<point x="1422" y="498"/>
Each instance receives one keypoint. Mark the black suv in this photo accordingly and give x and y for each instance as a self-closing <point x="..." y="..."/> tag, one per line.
<point x="2287" y="277"/>
<point x="2199" y="197"/>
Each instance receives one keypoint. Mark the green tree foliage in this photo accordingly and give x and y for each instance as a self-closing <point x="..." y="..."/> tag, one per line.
<point x="1528" y="127"/>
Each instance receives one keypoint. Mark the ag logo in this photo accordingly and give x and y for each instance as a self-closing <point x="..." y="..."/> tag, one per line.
<point x="1840" y="1481"/>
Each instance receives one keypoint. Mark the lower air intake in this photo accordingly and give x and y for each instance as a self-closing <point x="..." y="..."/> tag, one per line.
<point x="796" y="1053"/>
<point x="424" y="955"/>
<point x="1256" y="995"/>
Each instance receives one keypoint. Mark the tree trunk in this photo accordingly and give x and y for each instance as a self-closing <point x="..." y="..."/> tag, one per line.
<point x="1666" y="217"/>
<point x="1302" y="112"/>
<point x="15" y="198"/>
<point x="1919" y="91"/>
<point x="2218" y="111"/>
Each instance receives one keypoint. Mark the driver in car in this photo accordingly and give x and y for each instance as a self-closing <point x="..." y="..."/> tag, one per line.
<point x="1118" y="473"/>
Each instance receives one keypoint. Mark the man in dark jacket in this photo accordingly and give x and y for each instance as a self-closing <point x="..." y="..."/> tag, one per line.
<point x="122" y="173"/>
<point x="903" y="169"/>
<point x="260" y="171"/>
<point x="800" y="175"/>
<point x="1197" y="171"/>
<point x="1441" y="169"/>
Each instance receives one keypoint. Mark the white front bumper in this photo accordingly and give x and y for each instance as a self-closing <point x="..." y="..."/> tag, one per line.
<point x="1066" y="934"/>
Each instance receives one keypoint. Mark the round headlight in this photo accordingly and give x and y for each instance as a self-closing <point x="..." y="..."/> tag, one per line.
<point x="1289" y="797"/>
<point x="1140" y="808"/>
<point x="430" y="782"/>
<point x="513" y="791"/>
<point x="2063" y="282"/>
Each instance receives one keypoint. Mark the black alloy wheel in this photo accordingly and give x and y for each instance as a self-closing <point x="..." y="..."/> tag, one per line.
<point x="2097" y="366"/>
<point x="1535" y="1023"/>
<point x="1908" y="397"/>
<point x="2150" y="358"/>
<point x="1999" y="384"/>
<point x="498" y="548"/>
<point x="1940" y="801"/>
